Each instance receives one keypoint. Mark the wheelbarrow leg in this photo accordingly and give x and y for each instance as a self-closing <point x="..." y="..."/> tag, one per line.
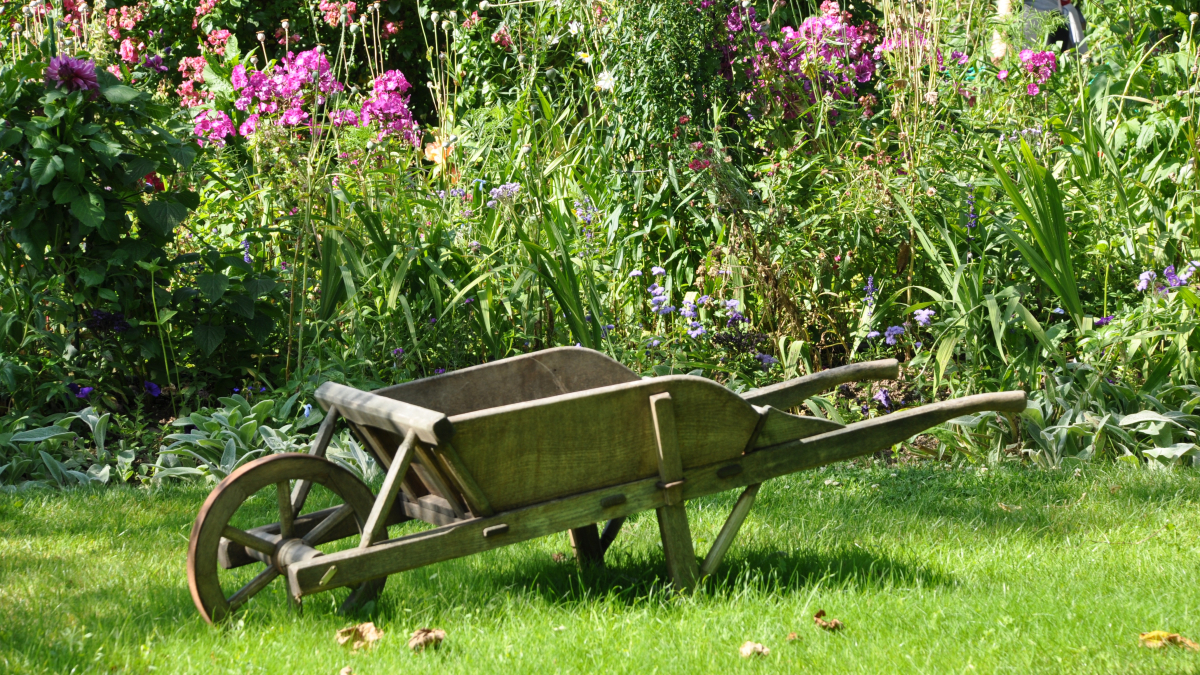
<point x="729" y="531"/>
<point x="672" y="517"/>
<point x="586" y="543"/>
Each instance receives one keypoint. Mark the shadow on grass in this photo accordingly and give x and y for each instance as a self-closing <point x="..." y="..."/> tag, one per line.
<point x="635" y="578"/>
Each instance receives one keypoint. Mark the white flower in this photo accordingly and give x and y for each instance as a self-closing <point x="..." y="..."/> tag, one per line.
<point x="585" y="57"/>
<point x="605" y="81"/>
<point x="575" y="27"/>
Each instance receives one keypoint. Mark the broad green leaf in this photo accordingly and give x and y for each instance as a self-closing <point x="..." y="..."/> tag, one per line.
<point x="213" y="285"/>
<point x="208" y="338"/>
<point x="119" y="93"/>
<point x="43" y="169"/>
<point x="89" y="209"/>
<point x="38" y="435"/>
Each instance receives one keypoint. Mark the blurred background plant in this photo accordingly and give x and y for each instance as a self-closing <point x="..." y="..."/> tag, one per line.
<point x="211" y="207"/>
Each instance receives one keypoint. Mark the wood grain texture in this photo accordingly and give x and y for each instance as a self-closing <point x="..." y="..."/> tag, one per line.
<point x="793" y="392"/>
<point x="465" y="538"/>
<point x="527" y="377"/>
<point x="549" y="448"/>
<point x="381" y="412"/>
<point x="780" y="427"/>
<point x="672" y="515"/>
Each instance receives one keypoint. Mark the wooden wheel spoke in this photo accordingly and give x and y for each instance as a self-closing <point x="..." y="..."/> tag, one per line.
<point x="251" y="589"/>
<point x="331" y="521"/>
<point x="286" y="514"/>
<point x="300" y="495"/>
<point x="244" y="538"/>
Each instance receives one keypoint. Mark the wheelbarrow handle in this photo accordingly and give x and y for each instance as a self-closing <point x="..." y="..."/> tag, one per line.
<point x="793" y="392"/>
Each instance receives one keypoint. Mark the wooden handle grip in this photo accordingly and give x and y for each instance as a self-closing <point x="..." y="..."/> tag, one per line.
<point x="371" y="410"/>
<point x="793" y="392"/>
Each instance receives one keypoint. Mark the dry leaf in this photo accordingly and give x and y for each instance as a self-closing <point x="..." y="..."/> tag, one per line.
<point x="362" y="635"/>
<point x="753" y="648"/>
<point x="831" y="482"/>
<point x="792" y="637"/>
<point x="559" y="557"/>
<point x="1157" y="639"/>
<point x="1008" y="507"/>
<point x="1114" y="489"/>
<point x="346" y="671"/>
<point x="830" y="625"/>
<point x="426" y="637"/>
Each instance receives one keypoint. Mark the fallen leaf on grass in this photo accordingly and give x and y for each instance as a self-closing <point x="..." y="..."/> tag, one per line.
<point x="1114" y="489"/>
<point x="362" y="635"/>
<point x="1157" y="639"/>
<point x="832" y="483"/>
<point x="346" y="671"/>
<point x="792" y="637"/>
<point x="426" y="637"/>
<point x="559" y="557"/>
<point x="830" y="625"/>
<point x="1008" y="507"/>
<point x="753" y="649"/>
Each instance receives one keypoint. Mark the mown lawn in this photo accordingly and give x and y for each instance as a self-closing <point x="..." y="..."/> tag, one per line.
<point x="930" y="569"/>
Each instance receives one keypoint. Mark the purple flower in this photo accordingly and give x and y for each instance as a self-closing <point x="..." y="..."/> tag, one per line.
<point x="65" y="72"/>
<point x="883" y="399"/>
<point x="924" y="316"/>
<point x="80" y="392"/>
<point x="767" y="360"/>
<point x="872" y="335"/>
<point x="307" y="409"/>
<point x="1144" y="279"/>
<point x="869" y="300"/>
<point x="696" y="330"/>
<point x="689" y="310"/>
<point x="635" y="273"/>
<point x="890" y="335"/>
<point x="731" y="304"/>
<point x="438" y="371"/>
<point x="958" y="57"/>
<point x="153" y="389"/>
<point x="156" y="64"/>
<point x="655" y="343"/>
<point x="1171" y="277"/>
<point x="1032" y="89"/>
<point x="657" y="271"/>
<point x="704" y="299"/>
<point x="1103" y="321"/>
<point x="398" y="351"/>
<point x="664" y="310"/>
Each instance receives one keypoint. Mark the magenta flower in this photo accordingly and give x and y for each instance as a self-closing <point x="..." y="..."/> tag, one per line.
<point x="1002" y="75"/>
<point x="1033" y="89"/>
<point x="65" y="72"/>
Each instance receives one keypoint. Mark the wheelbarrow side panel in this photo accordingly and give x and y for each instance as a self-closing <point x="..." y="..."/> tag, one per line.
<point x="517" y="379"/>
<point x="550" y="448"/>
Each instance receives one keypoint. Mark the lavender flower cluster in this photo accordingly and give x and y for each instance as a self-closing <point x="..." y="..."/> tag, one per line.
<point x="504" y="194"/>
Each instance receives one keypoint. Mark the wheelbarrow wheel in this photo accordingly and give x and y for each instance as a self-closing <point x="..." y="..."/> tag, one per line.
<point x="218" y="545"/>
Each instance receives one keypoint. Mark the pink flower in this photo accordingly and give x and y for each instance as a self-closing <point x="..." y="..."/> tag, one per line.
<point x="238" y="78"/>
<point x="699" y="164"/>
<point x="1026" y="55"/>
<point x="213" y="126"/>
<point x="387" y="106"/>
<point x="217" y="39"/>
<point x="1032" y="89"/>
<point x="204" y="8"/>
<point x="502" y="38"/>
<point x="1002" y="75"/>
<point x="129" y="53"/>
<point x="115" y="70"/>
<point x="249" y="127"/>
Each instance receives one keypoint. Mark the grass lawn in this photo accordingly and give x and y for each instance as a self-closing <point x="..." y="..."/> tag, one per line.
<point x="931" y="570"/>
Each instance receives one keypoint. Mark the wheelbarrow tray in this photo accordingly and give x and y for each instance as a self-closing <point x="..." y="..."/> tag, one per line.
<point x="564" y="439"/>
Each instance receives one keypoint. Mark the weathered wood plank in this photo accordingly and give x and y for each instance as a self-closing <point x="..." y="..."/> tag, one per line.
<point x="477" y="501"/>
<point x="517" y="379"/>
<point x="611" y="529"/>
<point x="780" y="427"/>
<point x="793" y="392"/>
<point x="729" y="531"/>
<point x="375" y="528"/>
<point x="427" y="468"/>
<point x="385" y="413"/>
<point x="318" y="447"/>
<point x="549" y="448"/>
<point x="465" y="538"/>
<point x="672" y="515"/>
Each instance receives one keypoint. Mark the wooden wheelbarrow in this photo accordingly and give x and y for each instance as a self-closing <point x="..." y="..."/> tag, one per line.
<point x="528" y="446"/>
